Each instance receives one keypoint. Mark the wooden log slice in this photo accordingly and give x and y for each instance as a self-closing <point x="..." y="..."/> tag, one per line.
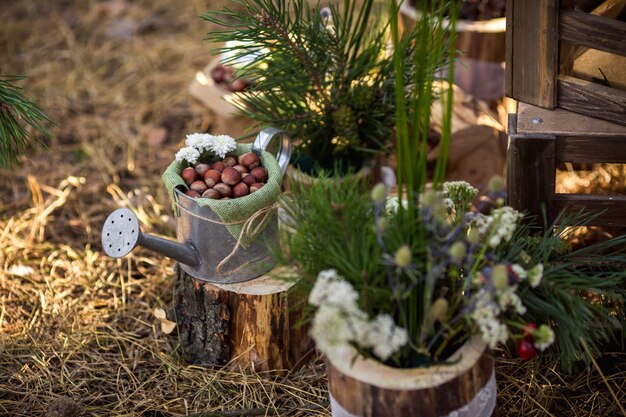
<point x="365" y="388"/>
<point x="253" y="324"/>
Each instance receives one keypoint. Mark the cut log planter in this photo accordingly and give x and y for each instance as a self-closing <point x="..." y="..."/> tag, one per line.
<point x="366" y="388"/>
<point x="249" y="325"/>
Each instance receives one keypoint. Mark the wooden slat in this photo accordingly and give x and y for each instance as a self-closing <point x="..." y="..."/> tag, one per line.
<point x="531" y="173"/>
<point x="533" y="51"/>
<point x="508" y="50"/>
<point x="593" y="31"/>
<point x="592" y="99"/>
<point x="591" y="150"/>
<point x="611" y="209"/>
<point x="533" y="120"/>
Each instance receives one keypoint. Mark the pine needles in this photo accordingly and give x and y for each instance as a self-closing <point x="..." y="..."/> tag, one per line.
<point x="14" y="136"/>
<point x="322" y="74"/>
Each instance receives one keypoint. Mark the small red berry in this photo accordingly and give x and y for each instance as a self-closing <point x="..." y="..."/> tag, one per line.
<point x="526" y="350"/>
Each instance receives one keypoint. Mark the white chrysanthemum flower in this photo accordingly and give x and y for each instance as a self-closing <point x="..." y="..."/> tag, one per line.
<point x="519" y="271"/>
<point x="222" y="144"/>
<point x="196" y="140"/>
<point x="330" y="329"/>
<point x="544" y="337"/>
<point x="535" y="274"/>
<point x="188" y="154"/>
<point x="509" y="298"/>
<point x="384" y="337"/>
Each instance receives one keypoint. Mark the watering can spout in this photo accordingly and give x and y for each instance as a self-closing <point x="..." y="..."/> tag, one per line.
<point x="121" y="234"/>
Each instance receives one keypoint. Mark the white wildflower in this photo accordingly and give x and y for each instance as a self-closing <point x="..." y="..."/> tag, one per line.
<point x="509" y="298"/>
<point x="331" y="330"/>
<point x="460" y="187"/>
<point x="384" y="337"/>
<point x="460" y="193"/>
<point x="188" y="154"/>
<point x="222" y="144"/>
<point x="519" y="271"/>
<point x="321" y="287"/>
<point x="535" y="274"/>
<point x="544" y="337"/>
<point x="485" y="315"/>
<point x="506" y="219"/>
<point x="499" y="226"/>
<point x="332" y="289"/>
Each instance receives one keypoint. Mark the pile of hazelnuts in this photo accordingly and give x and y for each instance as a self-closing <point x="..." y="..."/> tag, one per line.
<point x="229" y="178"/>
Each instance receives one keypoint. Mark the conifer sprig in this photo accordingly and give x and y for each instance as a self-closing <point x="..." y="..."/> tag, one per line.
<point x="16" y="113"/>
<point x="322" y="74"/>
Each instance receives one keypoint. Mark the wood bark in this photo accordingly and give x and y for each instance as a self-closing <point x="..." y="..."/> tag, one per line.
<point x="251" y="325"/>
<point x="364" y="399"/>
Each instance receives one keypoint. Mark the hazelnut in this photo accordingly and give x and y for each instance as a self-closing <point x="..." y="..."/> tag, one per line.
<point x="249" y="160"/>
<point x="231" y="176"/>
<point x="218" y="73"/>
<point x="218" y="166"/>
<point x="240" y="190"/>
<point x="238" y="85"/>
<point x="192" y="193"/>
<point x="198" y="186"/>
<point x="214" y="175"/>
<point x="202" y="168"/>
<point x="189" y="175"/>
<point x="212" y="194"/>
<point x="210" y="182"/>
<point x="223" y="189"/>
<point x="230" y="161"/>
<point x="242" y="169"/>
<point x="259" y="173"/>
<point x="248" y="179"/>
<point x="254" y="187"/>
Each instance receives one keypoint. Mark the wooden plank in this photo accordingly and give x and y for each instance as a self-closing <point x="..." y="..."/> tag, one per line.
<point x="610" y="210"/>
<point x="533" y="46"/>
<point x="591" y="150"/>
<point x="593" y="31"/>
<point x="508" y="50"/>
<point x="531" y="174"/>
<point x="533" y="120"/>
<point x="592" y="99"/>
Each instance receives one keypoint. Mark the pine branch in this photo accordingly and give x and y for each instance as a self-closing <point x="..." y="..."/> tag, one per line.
<point x="15" y="111"/>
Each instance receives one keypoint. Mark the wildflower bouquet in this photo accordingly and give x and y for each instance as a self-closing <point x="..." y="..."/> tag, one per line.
<point x="407" y="280"/>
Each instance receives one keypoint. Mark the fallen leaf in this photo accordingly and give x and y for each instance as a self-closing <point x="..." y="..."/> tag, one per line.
<point x="167" y="326"/>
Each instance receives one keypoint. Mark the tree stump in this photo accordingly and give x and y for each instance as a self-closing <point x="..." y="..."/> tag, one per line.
<point x="254" y="324"/>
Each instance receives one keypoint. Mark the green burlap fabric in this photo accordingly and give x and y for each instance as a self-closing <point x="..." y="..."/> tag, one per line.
<point x="236" y="211"/>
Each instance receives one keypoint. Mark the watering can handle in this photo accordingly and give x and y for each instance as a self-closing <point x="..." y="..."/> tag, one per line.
<point x="283" y="154"/>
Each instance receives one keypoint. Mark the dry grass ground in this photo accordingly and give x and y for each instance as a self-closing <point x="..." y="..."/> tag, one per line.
<point x="77" y="334"/>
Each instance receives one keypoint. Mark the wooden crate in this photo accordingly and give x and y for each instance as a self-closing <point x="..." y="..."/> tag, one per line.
<point x="539" y="139"/>
<point x="545" y="42"/>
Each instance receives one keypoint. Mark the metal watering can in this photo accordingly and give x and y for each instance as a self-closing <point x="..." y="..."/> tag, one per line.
<point x="202" y="245"/>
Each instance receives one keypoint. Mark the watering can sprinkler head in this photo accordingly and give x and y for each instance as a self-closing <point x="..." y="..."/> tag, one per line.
<point x="121" y="234"/>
